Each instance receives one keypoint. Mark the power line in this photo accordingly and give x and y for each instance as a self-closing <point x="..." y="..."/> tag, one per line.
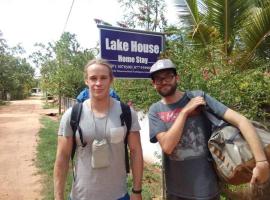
<point x="68" y="16"/>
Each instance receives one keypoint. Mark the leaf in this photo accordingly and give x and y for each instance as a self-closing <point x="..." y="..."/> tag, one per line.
<point x="257" y="31"/>
<point x="228" y="16"/>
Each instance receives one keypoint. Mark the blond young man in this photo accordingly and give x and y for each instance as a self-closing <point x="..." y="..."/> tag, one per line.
<point x="100" y="172"/>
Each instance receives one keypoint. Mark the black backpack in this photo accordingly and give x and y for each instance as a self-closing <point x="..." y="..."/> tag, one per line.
<point x="125" y="118"/>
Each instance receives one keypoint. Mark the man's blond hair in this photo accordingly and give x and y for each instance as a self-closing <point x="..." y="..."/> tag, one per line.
<point x="99" y="61"/>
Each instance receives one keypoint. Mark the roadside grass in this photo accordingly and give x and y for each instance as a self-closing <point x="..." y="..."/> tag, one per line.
<point x="152" y="188"/>
<point x="2" y="103"/>
<point x="45" y="155"/>
<point x="46" y="152"/>
<point x="49" y="105"/>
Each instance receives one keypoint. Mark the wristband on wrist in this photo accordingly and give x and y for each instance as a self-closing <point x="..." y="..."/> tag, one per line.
<point x="136" y="191"/>
<point x="261" y="161"/>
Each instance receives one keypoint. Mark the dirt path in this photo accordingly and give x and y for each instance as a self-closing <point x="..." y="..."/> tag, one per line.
<point x="19" y="126"/>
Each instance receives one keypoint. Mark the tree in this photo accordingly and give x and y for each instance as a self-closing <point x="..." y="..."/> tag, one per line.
<point x="16" y="74"/>
<point x="227" y="67"/>
<point x="62" y="65"/>
<point x="241" y="26"/>
<point x="16" y="77"/>
<point x="3" y="45"/>
<point x="145" y="14"/>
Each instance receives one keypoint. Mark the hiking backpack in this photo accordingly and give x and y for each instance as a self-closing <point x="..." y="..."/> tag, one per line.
<point x="125" y="118"/>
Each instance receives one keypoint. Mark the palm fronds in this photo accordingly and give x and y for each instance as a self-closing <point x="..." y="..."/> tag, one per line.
<point x="257" y="31"/>
<point x="228" y="16"/>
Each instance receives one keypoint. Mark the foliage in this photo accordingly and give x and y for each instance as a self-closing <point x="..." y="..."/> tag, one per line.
<point x="16" y="74"/>
<point x="241" y="26"/>
<point x="139" y="92"/>
<point x="204" y="67"/>
<point x="256" y="33"/>
<point x="2" y="103"/>
<point x="146" y="14"/>
<point x="62" y="65"/>
<point x="247" y="91"/>
<point x="49" y="106"/>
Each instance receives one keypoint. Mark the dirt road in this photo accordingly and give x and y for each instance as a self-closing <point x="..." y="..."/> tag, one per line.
<point x="19" y="126"/>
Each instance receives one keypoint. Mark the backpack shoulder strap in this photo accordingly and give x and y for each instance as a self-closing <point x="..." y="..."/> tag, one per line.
<point x="125" y="116"/>
<point x="126" y="119"/>
<point x="75" y="116"/>
<point x="74" y="123"/>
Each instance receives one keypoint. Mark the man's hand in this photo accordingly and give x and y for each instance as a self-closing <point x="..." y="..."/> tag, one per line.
<point x="193" y="104"/>
<point x="135" y="196"/>
<point x="261" y="173"/>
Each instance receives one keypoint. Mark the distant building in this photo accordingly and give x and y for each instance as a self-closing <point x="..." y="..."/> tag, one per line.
<point x="36" y="92"/>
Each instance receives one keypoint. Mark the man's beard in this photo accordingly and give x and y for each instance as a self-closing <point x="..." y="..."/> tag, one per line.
<point x="169" y="92"/>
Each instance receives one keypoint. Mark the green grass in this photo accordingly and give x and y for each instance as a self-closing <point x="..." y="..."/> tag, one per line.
<point x="46" y="157"/>
<point x="2" y="103"/>
<point x="46" y="154"/>
<point x="152" y="182"/>
<point x="49" y="105"/>
<point x="152" y="188"/>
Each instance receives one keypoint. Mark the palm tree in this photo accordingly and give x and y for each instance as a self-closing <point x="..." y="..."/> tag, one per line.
<point x="256" y="34"/>
<point x="246" y="21"/>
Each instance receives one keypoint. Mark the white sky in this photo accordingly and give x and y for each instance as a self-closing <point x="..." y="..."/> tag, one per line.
<point x="26" y="22"/>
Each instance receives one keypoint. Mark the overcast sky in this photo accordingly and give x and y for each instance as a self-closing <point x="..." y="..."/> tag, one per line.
<point x="30" y="21"/>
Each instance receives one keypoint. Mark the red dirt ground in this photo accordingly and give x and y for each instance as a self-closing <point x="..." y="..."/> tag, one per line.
<point x="19" y="127"/>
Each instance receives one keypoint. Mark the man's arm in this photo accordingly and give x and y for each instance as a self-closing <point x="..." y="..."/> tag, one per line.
<point x="169" y="139"/>
<point x="61" y="165"/>
<point x="136" y="159"/>
<point x="261" y="170"/>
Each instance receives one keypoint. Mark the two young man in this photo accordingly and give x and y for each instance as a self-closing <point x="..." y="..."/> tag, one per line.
<point x="175" y="122"/>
